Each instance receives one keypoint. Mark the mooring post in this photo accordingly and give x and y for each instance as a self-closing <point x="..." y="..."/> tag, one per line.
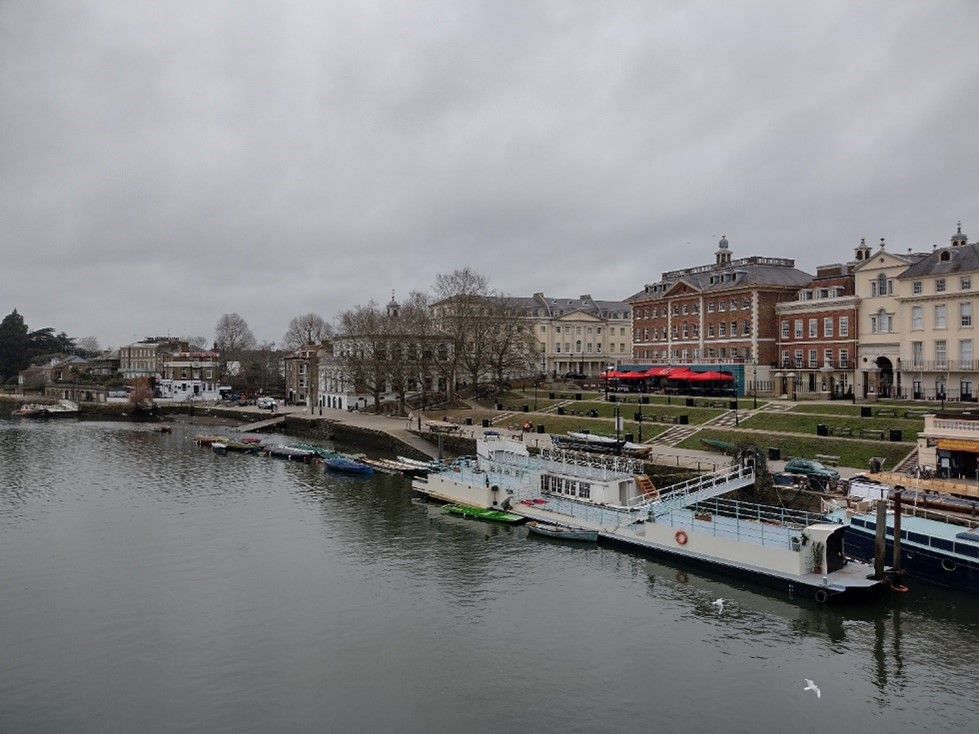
<point x="880" y="542"/>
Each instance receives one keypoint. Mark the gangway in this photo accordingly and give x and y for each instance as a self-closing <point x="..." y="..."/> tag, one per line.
<point x="261" y="425"/>
<point x="696" y="490"/>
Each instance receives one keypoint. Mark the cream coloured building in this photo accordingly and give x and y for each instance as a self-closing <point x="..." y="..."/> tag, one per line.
<point x="938" y="294"/>
<point x="579" y="335"/>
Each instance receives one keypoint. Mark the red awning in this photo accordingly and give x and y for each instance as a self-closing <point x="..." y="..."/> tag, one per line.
<point x="713" y="376"/>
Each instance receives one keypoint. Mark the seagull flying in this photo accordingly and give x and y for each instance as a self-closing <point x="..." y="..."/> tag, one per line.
<point x="719" y="603"/>
<point x="810" y="686"/>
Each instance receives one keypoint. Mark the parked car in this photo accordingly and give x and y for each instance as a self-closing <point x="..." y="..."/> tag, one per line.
<point x="266" y="403"/>
<point x="574" y="376"/>
<point x="817" y="473"/>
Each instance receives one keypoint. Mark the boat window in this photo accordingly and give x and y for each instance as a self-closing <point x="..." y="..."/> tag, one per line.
<point x="967" y="550"/>
<point x="918" y="538"/>
<point x="942" y="544"/>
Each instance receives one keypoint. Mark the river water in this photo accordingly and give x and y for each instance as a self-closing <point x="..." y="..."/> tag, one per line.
<point x="150" y="585"/>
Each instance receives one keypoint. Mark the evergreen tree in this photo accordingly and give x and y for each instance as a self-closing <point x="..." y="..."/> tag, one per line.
<point x="14" y="346"/>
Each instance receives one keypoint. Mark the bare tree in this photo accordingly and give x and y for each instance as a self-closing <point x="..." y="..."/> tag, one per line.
<point x="309" y="328"/>
<point x="460" y="313"/>
<point x="232" y="334"/>
<point x="511" y="348"/>
<point x="233" y="338"/>
<point x="89" y="345"/>
<point x="366" y="354"/>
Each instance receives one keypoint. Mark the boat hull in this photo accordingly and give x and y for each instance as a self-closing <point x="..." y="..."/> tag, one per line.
<point x="480" y="513"/>
<point x="558" y="532"/>
<point x="920" y="563"/>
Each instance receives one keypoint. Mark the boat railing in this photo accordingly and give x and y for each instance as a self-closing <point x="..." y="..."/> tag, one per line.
<point x="770" y="514"/>
<point x="747" y="522"/>
<point x="695" y="490"/>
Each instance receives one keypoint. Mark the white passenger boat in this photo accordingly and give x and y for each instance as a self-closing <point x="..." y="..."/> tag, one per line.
<point x="797" y="553"/>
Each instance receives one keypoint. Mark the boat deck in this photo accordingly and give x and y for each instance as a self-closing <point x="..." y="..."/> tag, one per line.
<point x="925" y="531"/>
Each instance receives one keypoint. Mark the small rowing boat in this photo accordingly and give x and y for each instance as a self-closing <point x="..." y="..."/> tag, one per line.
<point x="562" y="532"/>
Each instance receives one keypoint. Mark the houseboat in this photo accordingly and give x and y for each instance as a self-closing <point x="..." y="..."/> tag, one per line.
<point x="936" y="547"/>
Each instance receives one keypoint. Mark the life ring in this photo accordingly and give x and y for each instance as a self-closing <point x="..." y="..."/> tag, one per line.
<point x="821" y="596"/>
<point x="680" y="537"/>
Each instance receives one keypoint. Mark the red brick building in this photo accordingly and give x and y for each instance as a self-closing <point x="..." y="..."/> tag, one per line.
<point x="717" y="314"/>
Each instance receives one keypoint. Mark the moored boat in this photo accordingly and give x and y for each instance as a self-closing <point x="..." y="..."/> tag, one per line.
<point x="43" y="411"/>
<point x="935" y="547"/>
<point x="794" y="552"/>
<point x="287" y="452"/>
<point x="562" y="532"/>
<point x="483" y="513"/>
<point x="347" y="465"/>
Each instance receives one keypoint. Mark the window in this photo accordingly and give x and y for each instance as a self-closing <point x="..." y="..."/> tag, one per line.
<point x="940" y="322"/>
<point x="734" y="305"/>
<point x="722" y="329"/>
<point x="734" y="328"/>
<point x="710" y="330"/>
<point x="745" y="303"/>
<point x="710" y="307"/>
<point x="917" y="355"/>
<point x="828" y="326"/>
<point x="965" y="354"/>
<point x="844" y="326"/>
<point x="965" y="283"/>
<point x="798" y="358"/>
<point x="798" y="328"/>
<point x="941" y="354"/>
<point x="785" y="330"/>
<point x="965" y="313"/>
<point x="785" y="358"/>
<point x="813" y="328"/>
<point x="813" y="363"/>
<point x="916" y="288"/>
<point x="844" y="359"/>
<point x="940" y="285"/>
<point x="557" y="329"/>
<point x="917" y="317"/>
<point x="746" y="328"/>
<point x="828" y="356"/>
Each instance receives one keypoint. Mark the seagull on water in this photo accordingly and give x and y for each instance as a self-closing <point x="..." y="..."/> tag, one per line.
<point x="719" y="603"/>
<point x="810" y="686"/>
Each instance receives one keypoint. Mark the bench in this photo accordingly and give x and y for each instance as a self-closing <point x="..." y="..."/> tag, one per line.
<point x="887" y="411"/>
<point x="915" y="414"/>
<point x="828" y="459"/>
<point x="841" y="431"/>
<point x="871" y="433"/>
<point x="662" y="418"/>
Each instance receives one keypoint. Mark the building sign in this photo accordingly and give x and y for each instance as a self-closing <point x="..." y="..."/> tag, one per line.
<point x="956" y="444"/>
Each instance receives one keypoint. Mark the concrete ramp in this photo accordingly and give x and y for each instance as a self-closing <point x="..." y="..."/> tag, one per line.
<point x="262" y="425"/>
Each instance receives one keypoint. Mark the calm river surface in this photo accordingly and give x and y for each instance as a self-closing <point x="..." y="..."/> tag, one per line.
<point x="149" y="585"/>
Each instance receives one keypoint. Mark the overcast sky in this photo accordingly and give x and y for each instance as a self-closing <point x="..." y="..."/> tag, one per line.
<point x="164" y="163"/>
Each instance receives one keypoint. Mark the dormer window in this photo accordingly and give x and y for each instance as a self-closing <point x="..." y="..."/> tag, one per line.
<point x="944" y="256"/>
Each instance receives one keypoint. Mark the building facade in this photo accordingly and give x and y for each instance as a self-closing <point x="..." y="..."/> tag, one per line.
<point x="718" y="314"/>
<point x="579" y="336"/>
<point x="937" y="297"/>
<point x="190" y="376"/>
<point x="146" y="358"/>
<point x="882" y="321"/>
<point x="818" y="335"/>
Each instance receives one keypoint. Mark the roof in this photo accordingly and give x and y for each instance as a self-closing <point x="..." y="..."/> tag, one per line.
<point x="946" y="260"/>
